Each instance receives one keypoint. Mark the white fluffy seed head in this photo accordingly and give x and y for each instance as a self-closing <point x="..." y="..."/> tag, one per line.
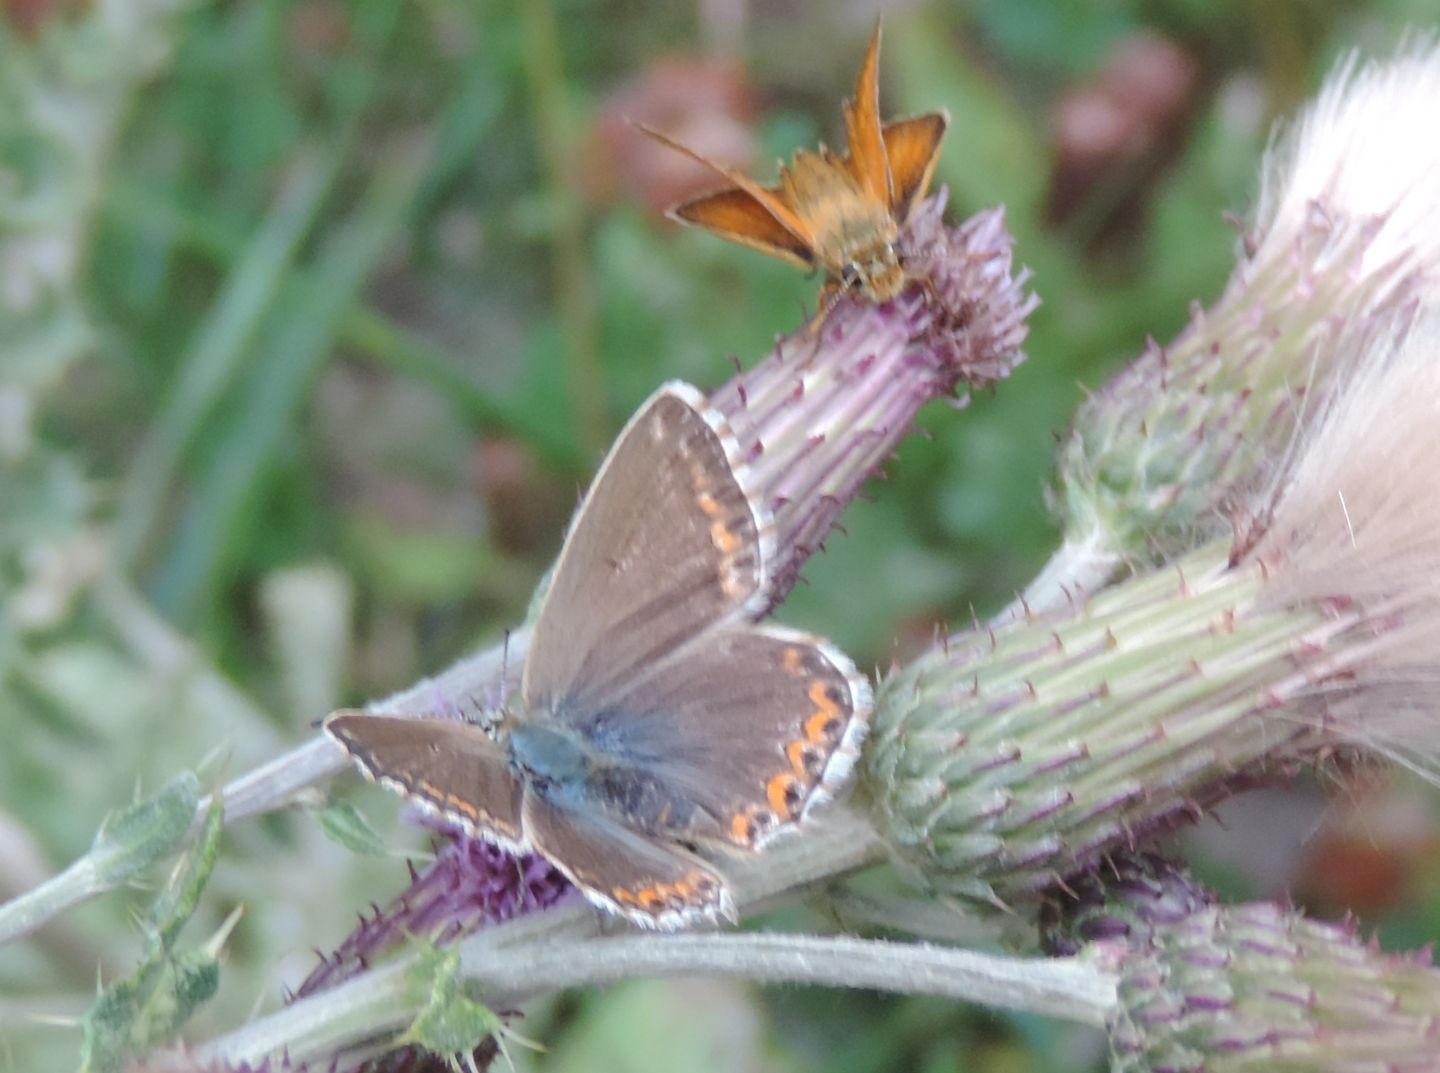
<point x="1356" y="527"/>
<point x="1365" y="153"/>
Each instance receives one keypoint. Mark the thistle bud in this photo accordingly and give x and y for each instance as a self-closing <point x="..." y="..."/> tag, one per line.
<point x="1256" y="986"/>
<point x="1345" y="247"/>
<point x="1007" y="758"/>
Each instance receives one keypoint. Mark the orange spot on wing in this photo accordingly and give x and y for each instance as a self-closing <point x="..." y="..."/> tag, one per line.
<point x="791" y="660"/>
<point x="818" y="727"/>
<point x="723" y="538"/>
<point x="462" y="806"/>
<point x="796" y="752"/>
<point x="782" y="791"/>
<point x="740" y="828"/>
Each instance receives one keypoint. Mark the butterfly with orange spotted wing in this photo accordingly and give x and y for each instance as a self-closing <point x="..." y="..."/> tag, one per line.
<point x="656" y="716"/>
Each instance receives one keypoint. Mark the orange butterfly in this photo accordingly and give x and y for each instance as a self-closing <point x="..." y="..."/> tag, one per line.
<point x="842" y="214"/>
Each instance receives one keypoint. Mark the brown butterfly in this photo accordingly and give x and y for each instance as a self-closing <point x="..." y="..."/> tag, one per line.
<point x="840" y="214"/>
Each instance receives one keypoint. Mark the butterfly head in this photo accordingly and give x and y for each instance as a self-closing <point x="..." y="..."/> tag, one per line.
<point x="875" y="271"/>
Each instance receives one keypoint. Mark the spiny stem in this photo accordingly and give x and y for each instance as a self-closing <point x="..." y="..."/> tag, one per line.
<point x="504" y="952"/>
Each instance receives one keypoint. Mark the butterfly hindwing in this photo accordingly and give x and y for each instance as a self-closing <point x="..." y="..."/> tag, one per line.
<point x="734" y="214"/>
<point x="655" y="884"/>
<point x="735" y="738"/>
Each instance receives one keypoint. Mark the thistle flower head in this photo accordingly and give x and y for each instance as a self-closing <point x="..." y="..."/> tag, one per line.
<point x="1347" y="246"/>
<point x="1357" y="156"/>
<point x="1356" y="524"/>
<point x="1008" y="757"/>
<point x="470" y="883"/>
<point x="829" y="405"/>
<point x="1205" y="987"/>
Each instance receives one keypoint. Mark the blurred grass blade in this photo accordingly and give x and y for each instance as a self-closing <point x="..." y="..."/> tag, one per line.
<point x="301" y="336"/>
<point x="461" y="130"/>
<point x="219" y="349"/>
<point x="406" y="354"/>
<point x="990" y="125"/>
<point x="392" y="345"/>
<point x="564" y="182"/>
<point x="264" y="264"/>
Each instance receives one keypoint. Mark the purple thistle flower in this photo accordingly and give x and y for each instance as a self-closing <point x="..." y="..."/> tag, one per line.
<point x="1255" y="986"/>
<point x="469" y="884"/>
<point x="825" y="410"/>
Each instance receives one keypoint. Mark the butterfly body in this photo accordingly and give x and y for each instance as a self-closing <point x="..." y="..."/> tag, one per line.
<point x="841" y="214"/>
<point x="584" y="771"/>
<point x="554" y="762"/>
<point x="655" y="715"/>
<point x="854" y="234"/>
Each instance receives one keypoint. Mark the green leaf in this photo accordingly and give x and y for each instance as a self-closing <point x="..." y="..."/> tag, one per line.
<point x="345" y="825"/>
<point x="136" y="838"/>
<point x="450" y="1023"/>
<point x="181" y="895"/>
<point x="147" y="1008"/>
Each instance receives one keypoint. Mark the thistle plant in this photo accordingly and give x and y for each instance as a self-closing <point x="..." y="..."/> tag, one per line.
<point x="1203" y="986"/>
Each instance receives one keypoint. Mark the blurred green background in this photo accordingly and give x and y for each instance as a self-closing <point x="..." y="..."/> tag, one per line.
<point x="315" y="316"/>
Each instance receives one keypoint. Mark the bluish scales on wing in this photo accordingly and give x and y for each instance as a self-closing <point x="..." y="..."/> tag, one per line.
<point x="581" y="771"/>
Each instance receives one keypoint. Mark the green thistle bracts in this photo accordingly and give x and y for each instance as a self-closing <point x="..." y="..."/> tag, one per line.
<point x="1255" y="987"/>
<point x="1152" y="454"/>
<point x="1008" y="758"/>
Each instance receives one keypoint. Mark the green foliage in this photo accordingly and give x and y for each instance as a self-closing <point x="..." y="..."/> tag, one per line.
<point x="147" y="1008"/>
<point x="450" y="1024"/>
<point x="147" y="832"/>
<point x="345" y="824"/>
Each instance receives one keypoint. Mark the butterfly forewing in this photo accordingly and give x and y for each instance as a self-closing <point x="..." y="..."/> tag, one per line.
<point x="862" y="128"/>
<point x="913" y="147"/>
<point x="736" y="215"/>
<point x="667" y="544"/>
<point x="451" y="768"/>
<point x="655" y="884"/>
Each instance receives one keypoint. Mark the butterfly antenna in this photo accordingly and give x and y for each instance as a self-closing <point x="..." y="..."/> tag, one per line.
<point x="504" y="670"/>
